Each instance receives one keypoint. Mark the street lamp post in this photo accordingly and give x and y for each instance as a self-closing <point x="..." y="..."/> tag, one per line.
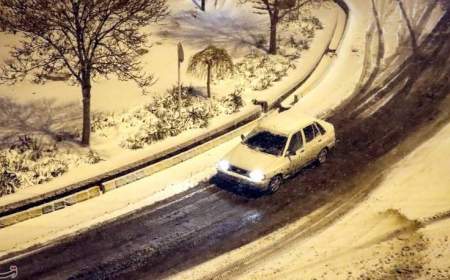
<point x="180" y="60"/>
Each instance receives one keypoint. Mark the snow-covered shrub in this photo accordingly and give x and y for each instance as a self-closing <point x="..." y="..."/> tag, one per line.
<point x="164" y="117"/>
<point x="197" y="115"/>
<point x="260" y="70"/>
<point x="312" y="22"/>
<point x="31" y="160"/>
<point x="93" y="157"/>
<point x="32" y="147"/>
<point x="16" y="161"/>
<point x="47" y="169"/>
<point x="102" y="120"/>
<point x="9" y="180"/>
<point x="136" y="140"/>
<point x="233" y="102"/>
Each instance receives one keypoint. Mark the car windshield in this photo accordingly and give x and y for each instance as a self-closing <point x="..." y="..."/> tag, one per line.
<point x="266" y="142"/>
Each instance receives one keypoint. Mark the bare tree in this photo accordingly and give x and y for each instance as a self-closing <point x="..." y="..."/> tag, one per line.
<point x="277" y="11"/>
<point x="80" y="40"/>
<point x="211" y="60"/>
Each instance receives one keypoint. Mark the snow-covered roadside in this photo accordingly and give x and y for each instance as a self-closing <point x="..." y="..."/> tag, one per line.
<point x="82" y="216"/>
<point x="327" y="88"/>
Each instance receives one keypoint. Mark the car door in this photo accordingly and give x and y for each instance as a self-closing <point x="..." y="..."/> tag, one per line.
<point x="324" y="139"/>
<point x="312" y="142"/>
<point x="296" y="152"/>
<point x="319" y="136"/>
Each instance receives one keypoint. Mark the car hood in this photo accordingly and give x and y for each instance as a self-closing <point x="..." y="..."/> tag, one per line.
<point x="249" y="159"/>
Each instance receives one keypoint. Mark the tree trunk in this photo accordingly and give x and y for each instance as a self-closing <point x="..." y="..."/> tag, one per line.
<point x="273" y="33"/>
<point x="208" y="81"/>
<point x="86" y="137"/>
<point x="203" y="5"/>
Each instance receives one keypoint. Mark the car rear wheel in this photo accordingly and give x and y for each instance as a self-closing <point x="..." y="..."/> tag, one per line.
<point x="322" y="157"/>
<point x="275" y="184"/>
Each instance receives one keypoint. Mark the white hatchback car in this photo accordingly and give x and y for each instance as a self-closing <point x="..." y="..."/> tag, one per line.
<point x="279" y="147"/>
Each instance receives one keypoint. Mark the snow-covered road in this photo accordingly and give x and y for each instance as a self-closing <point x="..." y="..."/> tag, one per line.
<point x="209" y="220"/>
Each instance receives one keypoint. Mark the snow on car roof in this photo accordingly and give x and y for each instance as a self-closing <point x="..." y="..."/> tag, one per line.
<point x="286" y="122"/>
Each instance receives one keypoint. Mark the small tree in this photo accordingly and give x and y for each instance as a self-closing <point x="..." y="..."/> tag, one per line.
<point x="277" y="11"/>
<point x="80" y="39"/>
<point x="209" y="61"/>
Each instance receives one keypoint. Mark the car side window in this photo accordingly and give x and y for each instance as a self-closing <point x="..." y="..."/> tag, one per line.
<point x="296" y="142"/>
<point x="321" y="129"/>
<point x="316" y="130"/>
<point x="309" y="133"/>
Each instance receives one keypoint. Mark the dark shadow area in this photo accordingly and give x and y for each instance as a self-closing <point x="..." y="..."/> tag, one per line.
<point x="199" y="30"/>
<point x="43" y="118"/>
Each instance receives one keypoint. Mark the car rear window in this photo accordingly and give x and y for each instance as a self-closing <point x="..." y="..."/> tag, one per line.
<point x="321" y="129"/>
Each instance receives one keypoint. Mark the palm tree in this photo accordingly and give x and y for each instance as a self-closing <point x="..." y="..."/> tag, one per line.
<point x="209" y="61"/>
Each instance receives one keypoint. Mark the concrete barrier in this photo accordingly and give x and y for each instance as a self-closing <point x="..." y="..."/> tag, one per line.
<point x="49" y="207"/>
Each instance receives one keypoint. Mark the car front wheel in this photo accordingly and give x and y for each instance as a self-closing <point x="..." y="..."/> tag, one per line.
<point x="275" y="184"/>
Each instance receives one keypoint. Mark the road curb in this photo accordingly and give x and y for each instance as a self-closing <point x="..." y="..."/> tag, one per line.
<point x="50" y="207"/>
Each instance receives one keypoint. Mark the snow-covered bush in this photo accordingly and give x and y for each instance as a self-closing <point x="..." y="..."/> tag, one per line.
<point x="93" y="157"/>
<point x="32" y="160"/>
<point x="231" y="103"/>
<point x="164" y="117"/>
<point x="47" y="169"/>
<point x="259" y="70"/>
<point x="102" y="120"/>
<point x="32" y="148"/>
<point x="9" y="180"/>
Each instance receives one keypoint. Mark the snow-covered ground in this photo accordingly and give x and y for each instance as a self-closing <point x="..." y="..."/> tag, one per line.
<point x="55" y="109"/>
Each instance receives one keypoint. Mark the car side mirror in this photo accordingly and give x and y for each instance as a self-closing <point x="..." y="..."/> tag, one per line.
<point x="242" y="137"/>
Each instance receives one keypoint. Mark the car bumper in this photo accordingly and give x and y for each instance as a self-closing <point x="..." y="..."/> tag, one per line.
<point x="231" y="176"/>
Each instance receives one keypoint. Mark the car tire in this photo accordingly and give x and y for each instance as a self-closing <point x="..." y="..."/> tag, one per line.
<point x="322" y="157"/>
<point x="275" y="184"/>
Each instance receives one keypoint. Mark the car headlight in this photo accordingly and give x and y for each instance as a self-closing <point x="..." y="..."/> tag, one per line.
<point x="224" y="165"/>
<point x="256" y="176"/>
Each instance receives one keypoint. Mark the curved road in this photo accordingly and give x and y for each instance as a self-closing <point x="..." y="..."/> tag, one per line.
<point x="216" y="217"/>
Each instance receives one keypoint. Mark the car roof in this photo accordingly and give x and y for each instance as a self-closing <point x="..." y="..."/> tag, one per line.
<point x="286" y="122"/>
